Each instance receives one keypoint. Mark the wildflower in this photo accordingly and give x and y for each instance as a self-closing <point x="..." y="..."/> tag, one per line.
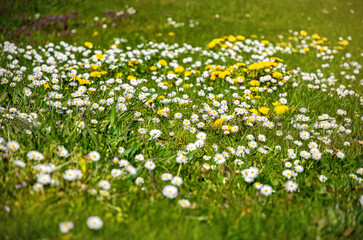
<point x="88" y="44"/>
<point x="288" y="164"/>
<point x="139" y="180"/>
<point x="266" y="190"/>
<point x="206" y="166"/>
<point x="72" y="174"/>
<point x="291" y="186"/>
<point x="19" y="163"/>
<point x="94" y="156"/>
<point x="121" y="150"/>
<point x="150" y="165"/>
<point x="322" y="178"/>
<point x="238" y="162"/>
<point x="104" y="184"/>
<point x="94" y="223"/>
<point x="283" y="100"/>
<point x="54" y="182"/>
<point x="65" y="227"/>
<point x="37" y="187"/>
<point x="92" y="191"/>
<point x="340" y="155"/>
<point x="170" y="191"/>
<point x="99" y="56"/>
<point x="261" y="138"/>
<point x="181" y="158"/>
<point x="287" y="173"/>
<point x="199" y="143"/>
<point x="166" y="176"/>
<point x="250" y="137"/>
<point x="123" y="163"/>
<point x="104" y="193"/>
<point x="191" y="147"/>
<point x="141" y="131"/>
<point x="139" y="157"/>
<point x="304" y="135"/>
<point x="252" y="144"/>
<point x="234" y="129"/>
<point x="297" y="162"/>
<point x="219" y="158"/>
<point x="155" y="134"/>
<point x="281" y="109"/>
<point x="13" y="145"/>
<point x="250" y="174"/>
<point x="299" y="169"/>
<point x="62" y="152"/>
<point x="177" y="181"/>
<point x="201" y="136"/>
<point x="258" y="185"/>
<point x="80" y="125"/>
<point x="116" y="172"/>
<point x="44" y="179"/>
<point x="35" y="155"/>
<point x="184" y="203"/>
<point x="313" y="145"/>
<point x="316" y="155"/>
<point x="218" y="122"/>
<point x="130" y="169"/>
<point x="264" y="110"/>
<point x="215" y="147"/>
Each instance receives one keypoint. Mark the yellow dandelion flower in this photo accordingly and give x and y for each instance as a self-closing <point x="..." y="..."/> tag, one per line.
<point x="88" y="44"/>
<point x="281" y="109"/>
<point x="240" y="37"/>
<point x="100" y="56"/>
<point x="218" y="122"/>
<point x="255" y="83"/>
<point x="163" y="62"/>
<point x="277" y="75"/>
<point x="264" y="110"/>
<point x="179" y="69"/>
<point x="344" y="42"/>
<point x="232" y="39"/>
<point x="303" y="33"/>
<point x="254" y="111"/>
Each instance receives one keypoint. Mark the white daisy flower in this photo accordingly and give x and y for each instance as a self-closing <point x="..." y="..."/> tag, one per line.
<point x="177" y="181"/>
<point x="166" y="176"/>
<point x="291" y="186"/>
<point x="266" y="190"/>
<point x="184" y="203"/>
<point x="150" y="165"/>
<point x="65" y="227"/>
<point x="104" y="184"/>
<point x="94" y="223"/>
<point x="170" y="191"/>
<point x="13" y="145"/>
<point x="94" y="156"/>
<point x="322" y="178"/>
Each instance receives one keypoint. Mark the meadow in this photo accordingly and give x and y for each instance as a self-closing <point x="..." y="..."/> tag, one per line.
<point x="181" y="119"/>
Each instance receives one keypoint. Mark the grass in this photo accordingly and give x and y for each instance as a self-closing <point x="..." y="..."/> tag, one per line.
<point x="223" y="205"/>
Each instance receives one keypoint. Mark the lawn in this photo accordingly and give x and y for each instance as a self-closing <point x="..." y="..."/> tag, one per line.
<point x="181" y="119"/>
